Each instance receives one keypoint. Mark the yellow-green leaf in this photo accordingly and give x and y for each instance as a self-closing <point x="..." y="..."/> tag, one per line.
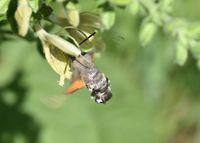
<point x="147" y="32"/>
<point x="4" y="6"/>
<point x="120" y="2"/>
<point x="73" y="17"/>
<point x="134" y="7"/>
<point x="108" y="19"/>
<point x="195" y="49"/>
<point x="181" y="53"/>
<point x="34" y="4"/>
<point x="90" y="20"/>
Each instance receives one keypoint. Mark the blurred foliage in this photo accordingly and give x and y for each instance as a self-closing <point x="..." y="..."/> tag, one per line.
<point x="152" y="58"/>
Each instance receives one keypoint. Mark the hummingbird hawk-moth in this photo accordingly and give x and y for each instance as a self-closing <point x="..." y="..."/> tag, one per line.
<point x="87" y="74"/>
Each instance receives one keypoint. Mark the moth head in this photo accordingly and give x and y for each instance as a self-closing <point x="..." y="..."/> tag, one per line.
<point x="102" y="97"/>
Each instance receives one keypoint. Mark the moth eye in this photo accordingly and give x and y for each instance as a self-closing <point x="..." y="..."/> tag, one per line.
<point x="93" y="93"/>
<point x="72" y="58"/>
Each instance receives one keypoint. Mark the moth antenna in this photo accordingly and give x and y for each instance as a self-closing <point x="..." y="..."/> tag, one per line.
<point x="87" y="38"/>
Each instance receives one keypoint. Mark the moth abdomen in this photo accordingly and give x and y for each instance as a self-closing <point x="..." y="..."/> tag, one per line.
<point x="94" y="79"/>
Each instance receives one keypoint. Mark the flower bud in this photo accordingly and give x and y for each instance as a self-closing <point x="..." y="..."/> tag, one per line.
<point x="22" y="16"/>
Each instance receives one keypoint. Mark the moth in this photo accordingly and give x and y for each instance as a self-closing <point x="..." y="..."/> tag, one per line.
<point x="87" y="74"/>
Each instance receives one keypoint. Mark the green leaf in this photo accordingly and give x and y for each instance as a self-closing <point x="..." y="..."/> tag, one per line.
<point x="134" y="7"/>
<point x="90" y="20"/>
<point x="181" y="53"/>
<point x="73" y="17"/>
<point x="10" y="15"/>
<point x="166" y="5"/>
<point x="195" y="49"/>
<point x="147" y="32"/>
<point x="4" y="6"/>
<point x="71" y="6"/>
<point x="35" y="4"/>
<point x="72" y="14"/>
<point x="100" y="2"/>
<point x="194" y="31"/>
<point x="2" y="17"/>
<point x="108" y="19"/>
<point x="198" y="63"/>
<point x="120" y="2"/>
<point x="45" y="10"/>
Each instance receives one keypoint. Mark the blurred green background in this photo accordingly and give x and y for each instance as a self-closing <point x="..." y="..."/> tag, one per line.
<point x="154" y="100"/>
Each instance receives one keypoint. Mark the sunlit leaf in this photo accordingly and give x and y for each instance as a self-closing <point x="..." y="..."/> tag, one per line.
<point x="147" y="32"/>
<point x="4" y="6"/>
<point x="108" y="19"/>
<point x="120" y="2"/>
<point x="73" y="17"/>
<point x="99" y="2"/>
<point x="34" y="4"/>
<point x="166" y="5"/>
<point x="194" y="31"/>
<point x="73" y="14"/>
<point x="71" y="6"/>
<point x="2" y="17"/>
<point x="90" y="20"/>
<point x="134" y="7"/>
<point x="60" y="0"/>
<point x="181" y="53"/>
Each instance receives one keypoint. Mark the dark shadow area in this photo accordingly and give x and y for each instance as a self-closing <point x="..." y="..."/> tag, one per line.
<point x="187" y="77"/>
<point x="15" y="124"/>
<point x="5" y="32"/>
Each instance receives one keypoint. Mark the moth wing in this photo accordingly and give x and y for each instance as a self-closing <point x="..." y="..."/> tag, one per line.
<point x="54" y="101"/>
